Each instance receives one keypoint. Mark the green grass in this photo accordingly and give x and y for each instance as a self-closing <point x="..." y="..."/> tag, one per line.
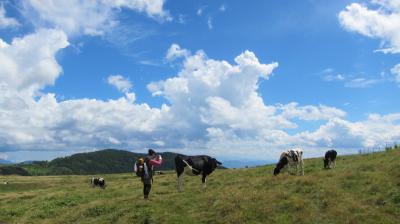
<point x="362" y="189"/>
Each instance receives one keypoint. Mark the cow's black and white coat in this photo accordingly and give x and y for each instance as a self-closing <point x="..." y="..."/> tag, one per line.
<point x="293" y="158"/>
<point x="98" y="181"/>
<point x="193" y="166"/>
<point x="330" y="159"/>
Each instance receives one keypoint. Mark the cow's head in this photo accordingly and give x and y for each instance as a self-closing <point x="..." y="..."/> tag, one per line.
<point x="276" y="171"/>
<point x="282" y="163"/>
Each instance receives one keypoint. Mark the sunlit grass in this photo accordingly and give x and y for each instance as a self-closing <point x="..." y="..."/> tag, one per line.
<point x="362" y="189"/>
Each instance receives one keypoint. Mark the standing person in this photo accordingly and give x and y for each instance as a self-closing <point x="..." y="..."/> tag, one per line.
<point x="151" y="160"/>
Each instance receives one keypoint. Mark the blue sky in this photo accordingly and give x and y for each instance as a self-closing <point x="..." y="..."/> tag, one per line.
<point x="242" y="80"/>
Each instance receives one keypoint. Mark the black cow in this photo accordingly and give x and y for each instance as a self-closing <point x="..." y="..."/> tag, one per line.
<point x="193" y="166"/>
<point x="98" y="181"/>
<point x="330" y="159"/>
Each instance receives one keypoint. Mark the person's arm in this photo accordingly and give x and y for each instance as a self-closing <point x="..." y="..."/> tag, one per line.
<point x="156" y="162"/>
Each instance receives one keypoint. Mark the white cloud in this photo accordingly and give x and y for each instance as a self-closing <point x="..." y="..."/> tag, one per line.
<point x="153" y="8"/>
<point x="209" y="23"/>
<point x="88" y="17"/>
<point x="310" y="113"/>
<point x="382" y="22"/>
<point x="114" y="141"/>
<point x="375" y="131"/>
<point x="222" y="8"/>
<point x="330" y="78"/>
<point x="121" y="83"/>
<point x="6" y="22"/>
<point x="213" y="106"/>
<point x="360" y="83"/>
<point x="76" y="124"/>
<point x="28" y="63"/>
<point x="175" y="51"/>
<point x="396" y="72"/>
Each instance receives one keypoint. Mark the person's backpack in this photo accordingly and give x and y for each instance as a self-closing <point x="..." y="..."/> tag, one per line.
<point x="139" y="167"/>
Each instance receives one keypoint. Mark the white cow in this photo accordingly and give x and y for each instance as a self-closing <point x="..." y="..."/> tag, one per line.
<point x="293" y="158"/>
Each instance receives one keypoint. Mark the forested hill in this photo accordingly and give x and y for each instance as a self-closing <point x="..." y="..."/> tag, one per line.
<point x="98" y="162"/>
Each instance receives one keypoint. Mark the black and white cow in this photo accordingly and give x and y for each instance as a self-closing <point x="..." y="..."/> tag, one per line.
<point x="98" y="181"/>
<point x="294" y="159"/>
<point x="193" y="166"/>
<point x="330" y="159"/>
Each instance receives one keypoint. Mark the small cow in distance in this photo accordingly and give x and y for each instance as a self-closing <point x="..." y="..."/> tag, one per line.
<point x="330" y="159"/>
<point x="193" y="166"/>
<point x="98" y="181"/>
<point x="293" y="158"/>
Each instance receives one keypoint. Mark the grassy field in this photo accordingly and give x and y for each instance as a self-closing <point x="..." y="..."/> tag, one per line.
<point x="362" y="189"/>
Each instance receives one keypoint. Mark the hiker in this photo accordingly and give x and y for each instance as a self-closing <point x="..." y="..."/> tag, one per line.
<point x="145" y="169"/>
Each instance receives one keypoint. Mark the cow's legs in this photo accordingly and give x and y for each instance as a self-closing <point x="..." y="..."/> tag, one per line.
<point x="204" y="180"/>
<point x="179" y="167"/>
<point x="334" y="163"/>
<point x="180" y="182"/>
<point x="301" y="166"/>
<point x="292" y="169"/>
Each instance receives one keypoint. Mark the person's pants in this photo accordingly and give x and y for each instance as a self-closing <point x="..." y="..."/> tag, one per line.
<point x="146" y="190"/>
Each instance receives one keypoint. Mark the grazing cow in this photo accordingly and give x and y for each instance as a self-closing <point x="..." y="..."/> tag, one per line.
<point x="330" y="159"/>
<point x="193" y="166"/>
<point x="293" y="158"/>
<point x="98" y="181"/>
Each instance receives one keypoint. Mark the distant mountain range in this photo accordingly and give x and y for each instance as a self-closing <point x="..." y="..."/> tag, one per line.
<point x="3" y="161"/>
<point x="98" y="162"/>
<point x="245" y="163"/>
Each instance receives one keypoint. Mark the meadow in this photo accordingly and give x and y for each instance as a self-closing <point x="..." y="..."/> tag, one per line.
<point x="362" y="189"/>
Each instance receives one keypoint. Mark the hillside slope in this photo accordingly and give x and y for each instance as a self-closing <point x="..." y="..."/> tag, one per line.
<point x="362" y="189"/>
<point x="103" y="161"/>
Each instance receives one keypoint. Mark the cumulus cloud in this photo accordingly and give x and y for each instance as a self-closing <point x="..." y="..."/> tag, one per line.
<point x="119" y="82"/>
<point x="382" y="22"/>
<point x="88" y="17"/>
<point x="77" y="124"/>
<point x="374" y="131"/>
<point x="221" y="101"/>
<point x="310" y="113"/>
<point x="5" y="21"/>
<point x="29" y="63"/>
<point x="175" y="51"/>
<point x="213" y="107"/>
